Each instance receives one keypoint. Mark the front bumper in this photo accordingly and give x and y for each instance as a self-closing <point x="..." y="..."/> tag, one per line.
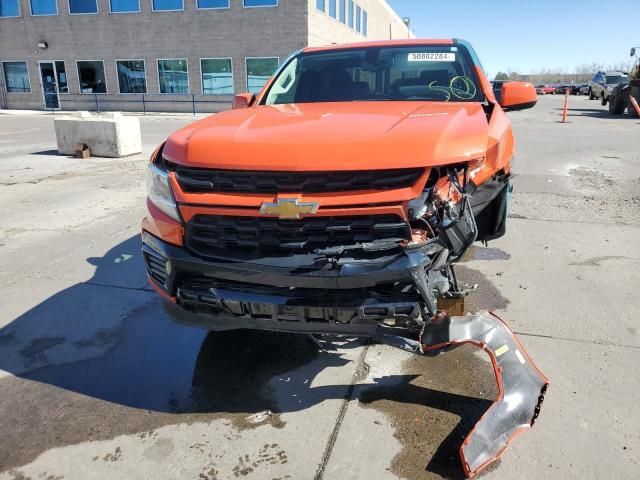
<point x="300" y="293"/>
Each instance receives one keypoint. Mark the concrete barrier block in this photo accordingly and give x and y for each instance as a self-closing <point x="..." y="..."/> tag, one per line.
<point x="107" y="135"/>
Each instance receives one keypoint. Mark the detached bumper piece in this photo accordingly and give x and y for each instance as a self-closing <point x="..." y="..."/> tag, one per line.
<point x="521" y="385"/>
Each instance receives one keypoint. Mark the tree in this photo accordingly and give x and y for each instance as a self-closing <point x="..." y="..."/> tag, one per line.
<point x="502" y="76"/>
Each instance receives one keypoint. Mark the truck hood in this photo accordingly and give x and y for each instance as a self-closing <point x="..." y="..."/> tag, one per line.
<point x="333" y="136"/>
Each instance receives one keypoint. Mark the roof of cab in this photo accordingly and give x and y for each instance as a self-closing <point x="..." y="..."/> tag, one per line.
<point x="384" y="43"/>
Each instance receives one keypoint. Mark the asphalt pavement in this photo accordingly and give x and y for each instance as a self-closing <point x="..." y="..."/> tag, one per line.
<point x="96" y="382"/>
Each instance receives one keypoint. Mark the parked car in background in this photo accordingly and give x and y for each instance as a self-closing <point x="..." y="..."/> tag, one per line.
<point x="575" y="89"/>
<point x="562" y="89"/>
<point x="584" y="89"/>
<point x="603" y="83"/>
<point x="545" y="90"/>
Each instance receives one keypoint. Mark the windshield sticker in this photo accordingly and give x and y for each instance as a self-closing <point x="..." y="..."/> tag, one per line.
<point x="432" y="57"/>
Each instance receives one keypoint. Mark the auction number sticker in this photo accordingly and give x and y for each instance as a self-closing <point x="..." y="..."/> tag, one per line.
<point x="432" y="57"/>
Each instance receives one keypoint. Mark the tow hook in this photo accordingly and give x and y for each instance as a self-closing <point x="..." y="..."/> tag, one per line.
<point x="521" y="385"/>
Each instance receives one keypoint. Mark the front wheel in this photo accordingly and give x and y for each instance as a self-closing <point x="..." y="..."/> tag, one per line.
<point x="616" y="104"/>
<point x="591" y="95"/>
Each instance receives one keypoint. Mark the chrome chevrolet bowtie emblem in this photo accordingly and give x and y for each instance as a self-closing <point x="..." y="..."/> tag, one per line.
<point x="289" y="208"/>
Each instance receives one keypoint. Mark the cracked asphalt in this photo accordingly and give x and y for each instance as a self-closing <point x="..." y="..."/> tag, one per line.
<point x="96" y="382"/>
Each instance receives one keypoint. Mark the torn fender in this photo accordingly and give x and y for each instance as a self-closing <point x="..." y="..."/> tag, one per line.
<point x="521" y="385"/>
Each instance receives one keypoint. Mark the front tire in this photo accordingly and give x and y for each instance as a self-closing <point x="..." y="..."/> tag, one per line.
<point x="616" y="104"/>
<point x="591" y="95"/>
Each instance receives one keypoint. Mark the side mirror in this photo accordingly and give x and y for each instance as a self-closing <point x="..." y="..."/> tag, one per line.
<point x="518" y="95"/>
<point x="243" y="100"/>
<point x="633" y="52"/>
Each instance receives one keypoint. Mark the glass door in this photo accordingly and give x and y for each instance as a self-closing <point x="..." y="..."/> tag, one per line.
<point x="49" y="85"/>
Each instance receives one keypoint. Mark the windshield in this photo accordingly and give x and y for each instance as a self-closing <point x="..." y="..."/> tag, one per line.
<point x="616" y="79"/>
<point x="423" y="72"/>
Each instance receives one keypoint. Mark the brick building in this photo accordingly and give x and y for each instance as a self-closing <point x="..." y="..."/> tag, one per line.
<point x="165" y="55"/>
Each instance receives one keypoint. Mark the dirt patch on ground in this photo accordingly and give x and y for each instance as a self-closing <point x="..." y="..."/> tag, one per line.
<point x="486" y="296"/>
<point x="477" y="252"/>
<point x="584" y="178"/>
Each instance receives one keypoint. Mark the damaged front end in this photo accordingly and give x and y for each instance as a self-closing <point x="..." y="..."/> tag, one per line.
<point x="452" y="213"/>
<point x="379" y="275"/>
<point x="459" y="216"/>
<point x="324" y="273"/>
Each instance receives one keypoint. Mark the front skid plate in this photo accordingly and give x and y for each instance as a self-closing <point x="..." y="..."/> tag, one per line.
<point x="521" y="385"/>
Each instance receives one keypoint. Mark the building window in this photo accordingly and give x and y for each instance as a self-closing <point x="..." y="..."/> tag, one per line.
<point x="132" y="77"/>
<point x="125" y="6"/>
<point x="205" y="4"/>
<point x="16" y="77"/>
<point x="343" y="11"/>
<point x="83" y="7"/>
<point x="258" y="72"/>
<point x="43" y="7"/>
<point x="91" y="76"/>
<point x="332" y="8"/>
<point x="217" y="76"/>
<point x="358" y="15"/>
<point x="260" y="3"/>
<point x="350" y="13"/>
<point x="173" y="76"/>
<point x="320" y="5"/>
<point x="364" y="22"/>
<point x="63" y="84"/>
<point x="167" y="5"/>
<point x="9" y="8"/>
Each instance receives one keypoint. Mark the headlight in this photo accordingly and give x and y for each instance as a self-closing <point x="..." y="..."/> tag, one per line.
<point x="159" y="191"/>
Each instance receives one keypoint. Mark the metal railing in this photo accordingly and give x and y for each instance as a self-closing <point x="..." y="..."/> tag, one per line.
<point x="106" y="102"/>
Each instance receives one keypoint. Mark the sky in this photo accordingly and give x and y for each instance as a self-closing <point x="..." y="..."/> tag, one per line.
<point x="527" y="35"/>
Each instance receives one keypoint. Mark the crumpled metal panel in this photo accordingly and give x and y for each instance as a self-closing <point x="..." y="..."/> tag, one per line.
<point x="521" y="385"/>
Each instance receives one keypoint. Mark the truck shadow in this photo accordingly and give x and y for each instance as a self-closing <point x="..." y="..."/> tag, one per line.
<point x="101" y="356"/>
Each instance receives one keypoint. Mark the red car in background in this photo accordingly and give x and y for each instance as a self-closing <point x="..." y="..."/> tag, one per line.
<point x="545" y="90"/>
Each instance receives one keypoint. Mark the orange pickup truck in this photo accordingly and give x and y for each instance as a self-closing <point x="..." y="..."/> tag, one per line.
<point x="339" y="199"/>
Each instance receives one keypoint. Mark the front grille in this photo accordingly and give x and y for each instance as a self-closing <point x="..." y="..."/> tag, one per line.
<point x="156" y="268"/>
<point x="196" y="180"/>
<point x="208" y="234"/>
